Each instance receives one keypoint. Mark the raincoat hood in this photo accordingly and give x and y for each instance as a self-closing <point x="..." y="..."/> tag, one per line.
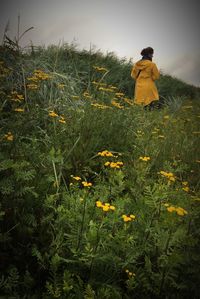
<point x="142" y="64"/>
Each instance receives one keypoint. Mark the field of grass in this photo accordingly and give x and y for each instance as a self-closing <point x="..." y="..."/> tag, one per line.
<point x="99" y="198"/>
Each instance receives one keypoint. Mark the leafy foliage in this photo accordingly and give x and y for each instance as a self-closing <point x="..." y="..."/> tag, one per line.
<point x="99" y="198"/>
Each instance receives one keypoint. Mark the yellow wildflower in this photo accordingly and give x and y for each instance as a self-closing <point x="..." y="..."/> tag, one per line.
<point x="144" y="158"/>
<point x="105" y="208"/>
<point x="105" y="154"/>
<point x="9" y="136"/>
<point x="19" y="109"/>
<point x="112" y="208"/>
<point x="181" y="212"/>
<point x="32" y="86"/>
<point x="53" y="114"/>
<point x="186" y="189"/>
<point x="107" y="163"/>
<point x="171" y="209"/>
<point x="119" y="94"/>
<point x="99" y="204"/>
<point x="127" y="218"/>
<point x="117" y="105"/>
<point x="77" y="178"/>
<point x="86" y="184"/>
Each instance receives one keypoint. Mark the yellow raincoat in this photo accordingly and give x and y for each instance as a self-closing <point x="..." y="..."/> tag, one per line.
<point x="145" y="72"/>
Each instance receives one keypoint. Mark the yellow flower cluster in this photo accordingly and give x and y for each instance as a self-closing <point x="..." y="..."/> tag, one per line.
<point x="185" y="187"/>
<point x="32" y="86"/>
<point x="180" y="211"/>
<point x="100" y="106"/>
<point x="86" y="184"/>
<point x="114" y="164"/>
<point x="16" y="97"/>
<point x="117" y="105"/>
<point x="128" y="101"/>
<point x="105" y="153"/>
<point x="62" y="120"/>
<point x="19" y="109"/>
<point x="9" y="136"/>
<point x="100" y="69"/>
<point x="87" y="95"/>
<point x="105" y="206"/>
<point x="54" y="114"/>
<point x="106" y="89"/>
<point x="39" y="75"/>
<point x="169" y="175"/>
<point x="128" y="218"/>
<point x="130" y="274"/>
<point x="119" y="94"/>
<point x="76" y="178"/>
<point x="144" y="158"/>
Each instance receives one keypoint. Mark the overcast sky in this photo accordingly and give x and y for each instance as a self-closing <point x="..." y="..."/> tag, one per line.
<point x="124" y="27"/>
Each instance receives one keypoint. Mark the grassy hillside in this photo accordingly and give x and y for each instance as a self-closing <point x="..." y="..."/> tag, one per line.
<point x="99" y="198"/>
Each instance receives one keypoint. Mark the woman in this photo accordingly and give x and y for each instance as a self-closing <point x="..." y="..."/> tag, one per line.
<point x="145" y="72"/>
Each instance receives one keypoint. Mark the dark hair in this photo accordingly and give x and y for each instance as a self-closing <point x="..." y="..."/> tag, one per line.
<point x="147" y="51"/>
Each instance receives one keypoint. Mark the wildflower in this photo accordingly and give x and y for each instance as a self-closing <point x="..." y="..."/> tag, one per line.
<point x="105" y="154"/>
<point x="161" y="136"/>
<point x="106" y="89"/>
<point x="77" y="178"/>
<point x="119" y="94"/>
<point x="130" y="274"/>
<point x="99" y="204"/>
<point x="169" y="175"/>
<point x="184" y="183"/>
<point x="19" y="109"/>
<point x="114" y="164"/>
<point x="9" y="136"/>
<point x="186" y="189"/>
<point x="105" y="206"/>
<point x="129" y="218"/>
<point x="87" y="95"/>
<point x="32" y="86"/>
<point x="112" y="208"/>
<point x="53" y="114"/>
<point x="100" y="106"/>
<point x="171" y="209"/>
<point x="117" y="105"/>
<point x="86" y="184"/>
<point x="20" y="96"/>
<point x="62" y="120"/>
<point x="166" y="117"/>
<point x="144" y="158"/>
<point x="41" y="75"/>
<point x="181" y="212"/>
<point x="128" y="101"/>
